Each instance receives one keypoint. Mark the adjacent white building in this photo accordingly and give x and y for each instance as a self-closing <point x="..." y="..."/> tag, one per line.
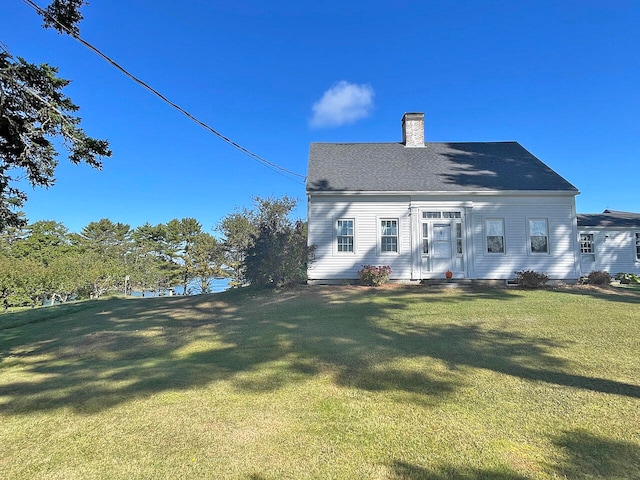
<point x="610" y="241"/>
<point x="481" y="210"/>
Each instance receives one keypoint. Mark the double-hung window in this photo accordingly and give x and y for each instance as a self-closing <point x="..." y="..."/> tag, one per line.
<point x="538" y="235"/>
<point x="388" y="235"/>
<point x="344" y="234"/>
<point x="638" y="246"/>
<point x="494" y="231"/>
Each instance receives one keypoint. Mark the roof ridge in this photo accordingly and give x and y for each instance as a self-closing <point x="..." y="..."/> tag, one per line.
<point x="479" y="142"/>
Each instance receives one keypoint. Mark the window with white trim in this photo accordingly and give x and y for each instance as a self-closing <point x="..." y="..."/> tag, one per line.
<point x="586" y="243"/>
<point x="494" y="234"/>
<point x="440" y="214"/>
<point x="388" y="235"/>
<point x="637" y="246"/>
<point x="538" y="235"/>
<point x="344" y="235"/>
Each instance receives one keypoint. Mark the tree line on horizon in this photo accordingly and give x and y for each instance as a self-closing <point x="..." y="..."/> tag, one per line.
<point x="43" y="261"/>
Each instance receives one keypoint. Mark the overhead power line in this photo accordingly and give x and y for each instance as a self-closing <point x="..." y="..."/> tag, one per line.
<point x="273" y="166"/>
<point x="4" y="48"/>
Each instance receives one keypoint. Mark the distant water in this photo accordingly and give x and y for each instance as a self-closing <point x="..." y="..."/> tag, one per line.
<point x="217" y="285"/>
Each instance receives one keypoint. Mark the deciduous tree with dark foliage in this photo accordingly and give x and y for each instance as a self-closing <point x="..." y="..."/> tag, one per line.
<point x="278" y="254"/>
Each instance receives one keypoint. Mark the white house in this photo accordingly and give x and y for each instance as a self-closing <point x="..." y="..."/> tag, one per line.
<point x="482" y="210"/>
<point x="610" y="241"/>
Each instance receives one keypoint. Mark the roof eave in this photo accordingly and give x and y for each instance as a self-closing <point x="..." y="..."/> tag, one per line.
<point x="481" y="193"/>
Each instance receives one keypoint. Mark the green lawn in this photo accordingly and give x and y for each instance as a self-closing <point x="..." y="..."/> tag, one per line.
<point x="326" y="383"/>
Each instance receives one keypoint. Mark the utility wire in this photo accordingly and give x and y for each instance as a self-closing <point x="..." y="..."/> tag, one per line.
<point x="273" y="166"/>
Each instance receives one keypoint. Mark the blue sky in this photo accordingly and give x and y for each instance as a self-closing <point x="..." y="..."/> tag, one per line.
<point x="560" y="77"/>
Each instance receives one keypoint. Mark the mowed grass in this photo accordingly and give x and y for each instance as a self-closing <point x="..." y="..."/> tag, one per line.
<point x="326" y="383"/>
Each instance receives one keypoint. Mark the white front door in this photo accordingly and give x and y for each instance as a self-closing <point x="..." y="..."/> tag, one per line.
<point x="441" y="248"/>
<point x="442" y="243"/>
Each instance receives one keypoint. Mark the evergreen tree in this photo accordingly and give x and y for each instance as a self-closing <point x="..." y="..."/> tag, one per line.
<point x="35" y="116"/>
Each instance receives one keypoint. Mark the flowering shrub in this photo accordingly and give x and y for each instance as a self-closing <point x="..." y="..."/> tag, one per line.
<point x="373" y="276"/>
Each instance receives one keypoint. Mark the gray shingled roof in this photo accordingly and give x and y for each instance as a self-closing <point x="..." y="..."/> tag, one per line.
<point x="609" y="218"/>
<point x="436" y="167"/>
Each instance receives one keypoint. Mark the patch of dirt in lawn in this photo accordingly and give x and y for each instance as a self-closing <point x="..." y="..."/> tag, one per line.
<point x="602" y="289"/>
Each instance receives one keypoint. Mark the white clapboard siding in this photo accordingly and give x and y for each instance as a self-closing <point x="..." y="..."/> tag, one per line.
<point x="614" y="251"/>
<point x="559" y="263"/>
<point x="366" y="213"/>
<point x="562" y="262"/>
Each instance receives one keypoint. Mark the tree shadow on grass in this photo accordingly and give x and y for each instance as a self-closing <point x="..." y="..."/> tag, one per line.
<point x="582" y="455"/>
<point x="504" y="352"/>
<point x="407" y="471"/>
<point x="125" y="349"/>
<point x="588" y="456"/>
<point x="116" y="351"/>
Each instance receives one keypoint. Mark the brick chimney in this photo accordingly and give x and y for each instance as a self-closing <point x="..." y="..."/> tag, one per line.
<point x="413" y="129"/>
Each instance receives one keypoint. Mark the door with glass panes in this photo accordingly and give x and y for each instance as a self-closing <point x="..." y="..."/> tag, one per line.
<point x="442" y="243"/>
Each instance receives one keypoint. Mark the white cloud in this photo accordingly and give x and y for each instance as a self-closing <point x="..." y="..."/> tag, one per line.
<point x="342" y="104"/>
